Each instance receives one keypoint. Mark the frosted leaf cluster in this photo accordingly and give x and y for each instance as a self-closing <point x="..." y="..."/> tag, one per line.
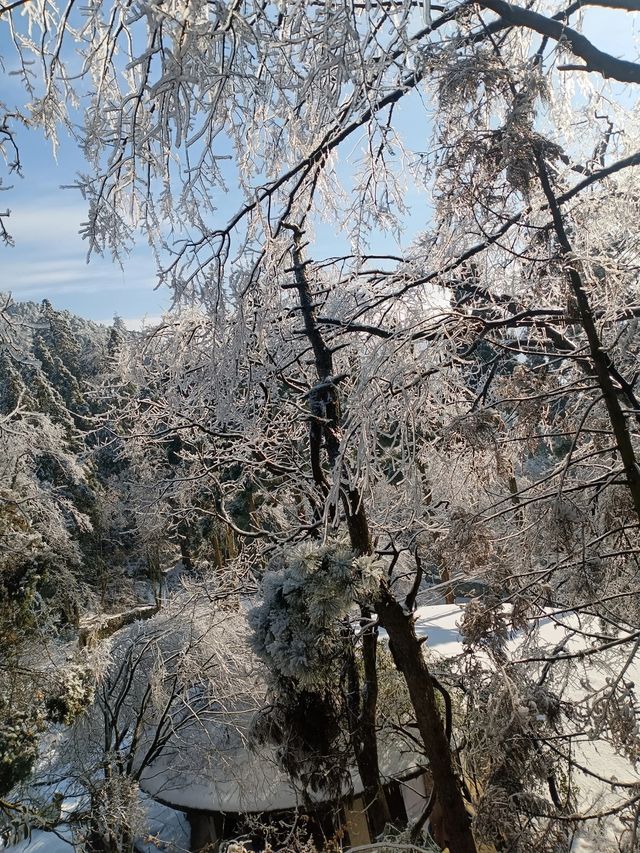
<point x="19" y="741"/>
<point x="306" y="597"/>
<point x="72" y="694"/>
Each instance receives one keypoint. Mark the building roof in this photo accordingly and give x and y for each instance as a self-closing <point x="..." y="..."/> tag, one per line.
<point x="212" y="764"/>
<point x="244" y="780"/>
<point x="211" y="767"/>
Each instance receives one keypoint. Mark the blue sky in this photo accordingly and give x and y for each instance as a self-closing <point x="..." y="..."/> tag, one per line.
<point x="49" y="258"/>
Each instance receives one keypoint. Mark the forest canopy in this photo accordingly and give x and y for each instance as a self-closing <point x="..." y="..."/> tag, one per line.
<point x="440" y="407"/>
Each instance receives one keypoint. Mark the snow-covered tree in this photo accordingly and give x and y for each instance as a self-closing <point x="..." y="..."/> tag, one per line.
<point x="172" y="688"/>
<point x="51" y="534"/>
<point x="38" y="549"/>
<point x="465" y="396"/>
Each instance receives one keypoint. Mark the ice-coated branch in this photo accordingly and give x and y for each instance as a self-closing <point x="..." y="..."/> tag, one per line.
<point x="595" y="60"/>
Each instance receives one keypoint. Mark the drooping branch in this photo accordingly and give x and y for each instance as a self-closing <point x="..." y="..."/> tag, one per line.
<point x="440" y="274"/>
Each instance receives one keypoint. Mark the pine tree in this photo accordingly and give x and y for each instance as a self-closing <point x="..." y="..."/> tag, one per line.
<point x="13" y="390"/>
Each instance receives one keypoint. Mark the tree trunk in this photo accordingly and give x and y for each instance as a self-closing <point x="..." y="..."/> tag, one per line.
<point x="398" y="624"/>
<point x="407" y="653"/>
<point x="445" y="577"/>
<point x="368" y="762"/>
<point x="325" y="423"/>
<point x="361" y="709"/>
<point x="185" y="551"/>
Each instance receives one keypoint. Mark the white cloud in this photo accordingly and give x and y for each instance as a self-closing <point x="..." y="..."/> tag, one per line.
<point x="49" y="257"/>
<point x="47" y="222"/>
<point x="65" y="275"/>
<point x="136" y="324"/>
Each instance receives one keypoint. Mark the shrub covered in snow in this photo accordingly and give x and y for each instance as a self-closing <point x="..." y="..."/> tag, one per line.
<point x="301" y="631"/>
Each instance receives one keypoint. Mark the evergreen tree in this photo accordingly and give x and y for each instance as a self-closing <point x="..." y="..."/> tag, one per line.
<point x="60" y="337"/>
<point x="13" y="390"/>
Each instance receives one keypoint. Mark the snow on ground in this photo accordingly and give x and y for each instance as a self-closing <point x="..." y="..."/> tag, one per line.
<point x="167" y="827"/>
<point x="562" y="632"/>
<point x="439" y="624"/>
<point x="43" y="842"/>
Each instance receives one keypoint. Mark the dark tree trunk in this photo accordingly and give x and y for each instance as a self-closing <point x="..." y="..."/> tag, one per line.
<point x="361" y="707"/>
<point x="407" y="653"/>
<point x="325" y="424"/>
<point x="368" y="764"/>
<point x="185" y="550"/>
<point x="603" y="368"/>
<point x="398" y="624"/>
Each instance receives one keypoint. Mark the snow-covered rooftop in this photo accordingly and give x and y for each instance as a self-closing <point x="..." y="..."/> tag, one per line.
<point x="199" y="775"/>
<point x="217" y="771"/>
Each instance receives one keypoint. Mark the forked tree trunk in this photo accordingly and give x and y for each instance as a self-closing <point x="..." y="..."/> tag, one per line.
<point x="407" y="654"/>
<point x="398" y="624"/>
